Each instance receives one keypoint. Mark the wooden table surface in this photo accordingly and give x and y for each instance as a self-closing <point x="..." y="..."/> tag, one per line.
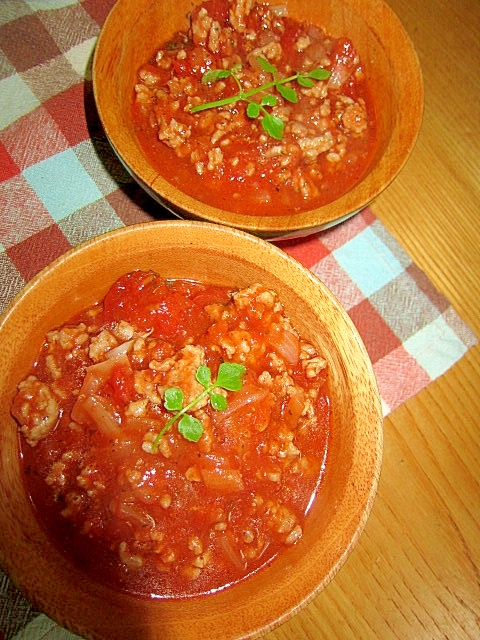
<point x="415" y="573"/>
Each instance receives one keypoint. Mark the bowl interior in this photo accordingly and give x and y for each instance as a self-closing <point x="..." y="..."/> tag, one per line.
<point x="134" y="29"/>
<point x="223" y="256"/>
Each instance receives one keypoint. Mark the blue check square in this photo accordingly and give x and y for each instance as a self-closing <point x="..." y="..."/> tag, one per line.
<point x="368" y="262"/>
<point x="46" y="5"/>
<point x="62" y="184"/>
<point x="435" y="347"/>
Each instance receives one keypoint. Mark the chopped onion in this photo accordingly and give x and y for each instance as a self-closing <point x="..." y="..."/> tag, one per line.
<point x="285" y="343"/>
<point x="343" y="66"/>
<point x="340" y="74"/>
<point x="97" y="410"/>
<point x="98" y="374"/>
<point x="92" y="407"/>
<point x="226" y="545"/>
<point x="130" y="512"/>
<point x="121" y="350"/>
<point x="223" y="481"/>
<point x="246" y="396"/>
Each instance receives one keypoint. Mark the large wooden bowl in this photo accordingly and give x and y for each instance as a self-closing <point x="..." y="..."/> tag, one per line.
<point x="135" y="28"/>
<point x="224" y="256"/>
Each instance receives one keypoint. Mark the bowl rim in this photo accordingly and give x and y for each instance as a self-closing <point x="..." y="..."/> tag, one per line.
<point x="368" y="494"/>
<point x="409" y="81"/>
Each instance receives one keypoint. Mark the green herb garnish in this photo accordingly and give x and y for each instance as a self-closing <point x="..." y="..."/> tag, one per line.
<point x="273" y="125"/>
<point x="229" y="377"/>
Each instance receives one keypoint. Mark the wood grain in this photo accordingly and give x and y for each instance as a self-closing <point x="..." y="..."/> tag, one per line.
<point x="415" y="573"/>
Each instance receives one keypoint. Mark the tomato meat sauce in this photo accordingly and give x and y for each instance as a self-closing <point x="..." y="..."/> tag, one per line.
<point x="223" y="155"/>
<point x="139" y="503"/>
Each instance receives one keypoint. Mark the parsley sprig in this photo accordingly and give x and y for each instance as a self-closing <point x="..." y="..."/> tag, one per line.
<point x="272" y="125"/>
<point x="229" y="377"/>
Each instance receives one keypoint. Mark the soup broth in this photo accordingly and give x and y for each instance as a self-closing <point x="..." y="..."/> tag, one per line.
<point x="174" y="434"/>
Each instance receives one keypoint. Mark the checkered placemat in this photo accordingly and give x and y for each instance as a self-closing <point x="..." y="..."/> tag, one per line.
<point x="411" y="332"/>
<point x="61" y="184"/>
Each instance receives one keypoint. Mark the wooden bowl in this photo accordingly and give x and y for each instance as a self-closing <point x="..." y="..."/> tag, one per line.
<point x="225" y="256"/>
<point x="134" y="29"/>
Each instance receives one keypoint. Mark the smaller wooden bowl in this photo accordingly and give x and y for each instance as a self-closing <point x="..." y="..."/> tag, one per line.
<point x="219" y="255"/>
<point x="133" y="30"/>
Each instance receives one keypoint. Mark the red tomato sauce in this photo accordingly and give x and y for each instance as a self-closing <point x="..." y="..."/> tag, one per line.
<point x="224" y="157"/>
<point x="187" y="517"/>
